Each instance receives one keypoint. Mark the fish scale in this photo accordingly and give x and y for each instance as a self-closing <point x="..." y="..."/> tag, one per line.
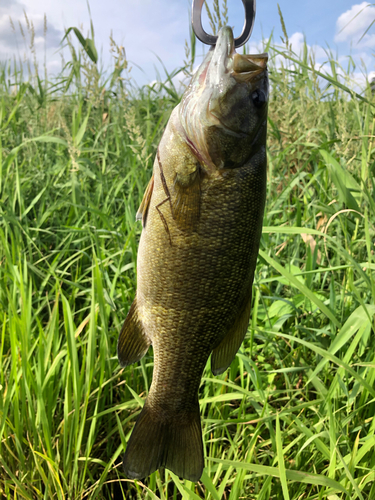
<point x="202" y="218"/>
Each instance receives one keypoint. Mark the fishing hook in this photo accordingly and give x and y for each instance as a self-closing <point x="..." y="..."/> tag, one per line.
<point x="204" y="37"/>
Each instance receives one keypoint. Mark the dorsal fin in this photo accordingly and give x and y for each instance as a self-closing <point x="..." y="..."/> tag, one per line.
<point x="144" y="206"/>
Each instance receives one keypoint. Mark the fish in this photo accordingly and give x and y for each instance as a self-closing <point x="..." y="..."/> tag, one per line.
<point x="202" y="215"/>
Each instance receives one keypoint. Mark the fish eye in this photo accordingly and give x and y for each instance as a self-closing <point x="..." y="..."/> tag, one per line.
<point x="259" y="98"/>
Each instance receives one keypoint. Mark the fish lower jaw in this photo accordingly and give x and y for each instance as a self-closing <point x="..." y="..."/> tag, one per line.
<point x="245" y="77"/>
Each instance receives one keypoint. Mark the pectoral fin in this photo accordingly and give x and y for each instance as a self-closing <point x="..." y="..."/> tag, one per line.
<point x="225" y="352"/>
<point x="133" y="342"/>
<point x="144" y="206"/>
<point x="186" y="200"/>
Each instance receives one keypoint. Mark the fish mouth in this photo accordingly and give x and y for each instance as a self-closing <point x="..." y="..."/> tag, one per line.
<point x="242" y="67"/>
<point x="247" y="67"/>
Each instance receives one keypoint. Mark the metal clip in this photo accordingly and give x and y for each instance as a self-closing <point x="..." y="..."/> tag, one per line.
<point x="204" y="37"/>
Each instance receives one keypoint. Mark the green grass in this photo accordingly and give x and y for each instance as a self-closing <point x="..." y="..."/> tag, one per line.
<point x="293" y="417"/>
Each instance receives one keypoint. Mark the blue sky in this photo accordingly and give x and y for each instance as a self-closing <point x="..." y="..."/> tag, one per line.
<point x="147" y="28"/>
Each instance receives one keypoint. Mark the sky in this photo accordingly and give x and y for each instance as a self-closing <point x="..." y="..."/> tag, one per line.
<point x="149" y="29"/>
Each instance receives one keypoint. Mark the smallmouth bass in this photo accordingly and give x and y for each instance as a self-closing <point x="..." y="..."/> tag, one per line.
<point x="202" y="216"/>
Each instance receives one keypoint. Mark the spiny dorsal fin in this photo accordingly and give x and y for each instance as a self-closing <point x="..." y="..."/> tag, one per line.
<point x="133" y="343"/>
<point x="225" y="352"/>
<point x="144" y="206"/>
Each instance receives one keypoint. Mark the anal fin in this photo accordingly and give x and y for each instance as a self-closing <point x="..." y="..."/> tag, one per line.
<point x="133" y="342"/>
<point x="224" y="353"/>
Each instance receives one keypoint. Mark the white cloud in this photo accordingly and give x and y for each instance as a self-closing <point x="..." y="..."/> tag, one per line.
<point x="17" y="32"/>
<point x="353" y="23"/>
<point x="361" y="60"/>
<point x="359" y="81"/>
<point x="297" y="41"/>
<point x="367" y="41"/>
<point x="145" y="28"/>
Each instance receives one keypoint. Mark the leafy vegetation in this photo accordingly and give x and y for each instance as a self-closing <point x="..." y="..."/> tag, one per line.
<point x="293" y="417"/>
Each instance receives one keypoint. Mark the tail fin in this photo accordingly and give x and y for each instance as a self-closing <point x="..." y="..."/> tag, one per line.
<point x="174" y="443"/>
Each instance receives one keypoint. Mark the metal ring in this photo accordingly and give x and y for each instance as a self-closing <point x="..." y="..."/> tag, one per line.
<point x="204" y="37"/>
